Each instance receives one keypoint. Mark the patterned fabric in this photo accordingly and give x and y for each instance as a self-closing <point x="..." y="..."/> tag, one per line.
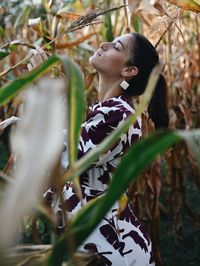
<point x="119" y="239"/>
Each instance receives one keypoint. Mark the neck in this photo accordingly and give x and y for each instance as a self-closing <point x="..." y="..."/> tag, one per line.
<point x="109" y="88"/>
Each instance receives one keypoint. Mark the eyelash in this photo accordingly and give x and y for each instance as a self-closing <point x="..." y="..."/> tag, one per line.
<point x="115" y="48"/>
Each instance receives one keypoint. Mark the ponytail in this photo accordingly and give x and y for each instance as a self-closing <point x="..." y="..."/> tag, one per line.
<point x="145" y="57"/>
<point x="158" y="109"/>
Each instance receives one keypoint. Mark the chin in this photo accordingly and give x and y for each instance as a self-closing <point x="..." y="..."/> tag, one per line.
<point x="93" y="62"/>
<point x="90" y="60"/>
<point x="96" y="64"/>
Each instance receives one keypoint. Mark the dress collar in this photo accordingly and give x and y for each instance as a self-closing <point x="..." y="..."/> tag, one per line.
<point x="123" y="97"/>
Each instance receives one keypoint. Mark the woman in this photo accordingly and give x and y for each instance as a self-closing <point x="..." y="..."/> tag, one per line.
<point x="124" y="66"/>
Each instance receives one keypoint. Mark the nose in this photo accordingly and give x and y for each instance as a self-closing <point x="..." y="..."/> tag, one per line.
<point x="104" y="45"/>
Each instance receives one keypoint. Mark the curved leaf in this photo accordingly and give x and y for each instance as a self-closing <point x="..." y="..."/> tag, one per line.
<point x="8" y="91"/>
<point x="89" y="216"/>
<point x="75" y="111"/>
<point x="192" y="5"/>
<point x="75" y="106"/>
<point x="75" y="96"/>
<point x="74" y="43"/>
<point x="4" y="53"/>
<point x="17" y="42"/>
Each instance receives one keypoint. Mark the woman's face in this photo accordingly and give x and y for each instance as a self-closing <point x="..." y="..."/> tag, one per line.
<point x="111" y="57"/>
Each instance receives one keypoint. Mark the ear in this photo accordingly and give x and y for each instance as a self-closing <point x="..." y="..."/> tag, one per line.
<point x="129" y="71"/>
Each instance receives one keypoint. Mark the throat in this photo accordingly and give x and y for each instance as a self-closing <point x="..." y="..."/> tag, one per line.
<point x="109" y="88"/>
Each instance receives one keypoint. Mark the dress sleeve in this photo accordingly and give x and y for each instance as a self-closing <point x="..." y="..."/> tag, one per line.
<point x="100" y="123"/>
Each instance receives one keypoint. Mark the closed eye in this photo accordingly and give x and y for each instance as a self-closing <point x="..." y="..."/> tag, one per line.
<point x="118" y="41"/>
<point x="116" y="48"/>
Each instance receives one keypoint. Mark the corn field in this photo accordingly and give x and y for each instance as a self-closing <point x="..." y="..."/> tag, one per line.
<point x="163" y="180"/>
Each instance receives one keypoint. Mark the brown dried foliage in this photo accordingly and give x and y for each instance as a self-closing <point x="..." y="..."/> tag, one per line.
<point x="181" y="58"/>
<point x="182" y="69"/>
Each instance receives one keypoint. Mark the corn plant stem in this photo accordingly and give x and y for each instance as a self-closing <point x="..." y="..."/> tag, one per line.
<point x="198" y="37"/>
<point x="127" y="17"/>
<point x="169" y="55"/>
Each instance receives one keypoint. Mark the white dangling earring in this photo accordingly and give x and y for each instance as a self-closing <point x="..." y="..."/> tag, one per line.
<point x="124" y="85"/>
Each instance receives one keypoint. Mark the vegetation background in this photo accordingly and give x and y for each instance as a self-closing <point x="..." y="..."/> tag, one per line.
<point x="167" y="202"/>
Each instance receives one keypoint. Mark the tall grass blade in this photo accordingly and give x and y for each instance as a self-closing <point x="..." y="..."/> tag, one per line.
<point x="75" y="111"/>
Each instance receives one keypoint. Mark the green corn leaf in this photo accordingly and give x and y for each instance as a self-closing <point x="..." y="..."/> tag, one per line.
<point x="108" y="33"/>
<point x="75" y="106"/>
<point x="137" y="159"/>
<point x="116" y="21"/>
<point x="8" y="91"/>
<point x="137" y="24"/>
<point x="75" y="111"/>
<point x="4" y="53"/>
<point x="23" y="16"/>
<point x="75" y="97"/>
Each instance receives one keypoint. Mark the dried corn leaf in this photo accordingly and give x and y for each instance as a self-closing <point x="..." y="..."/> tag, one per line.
<point x="74" y="43"/>
<point x="63" y="13"/>
<point x="192" y="5"/>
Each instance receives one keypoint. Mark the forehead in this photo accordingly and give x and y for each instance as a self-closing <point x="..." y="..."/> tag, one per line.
<point x="127" y="41"/>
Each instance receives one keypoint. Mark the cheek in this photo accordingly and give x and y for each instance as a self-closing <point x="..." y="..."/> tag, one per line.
<point x="112" y="63"/>
<point x="115" y="60"/>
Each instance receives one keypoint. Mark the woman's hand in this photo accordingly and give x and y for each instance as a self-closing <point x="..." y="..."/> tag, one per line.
<point x="39" y="56"/>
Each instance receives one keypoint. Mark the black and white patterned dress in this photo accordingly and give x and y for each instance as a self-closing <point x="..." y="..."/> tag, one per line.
<point x="120" y="239"/>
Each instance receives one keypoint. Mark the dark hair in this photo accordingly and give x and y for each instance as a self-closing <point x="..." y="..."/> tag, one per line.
<point x="145" y="58"/>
